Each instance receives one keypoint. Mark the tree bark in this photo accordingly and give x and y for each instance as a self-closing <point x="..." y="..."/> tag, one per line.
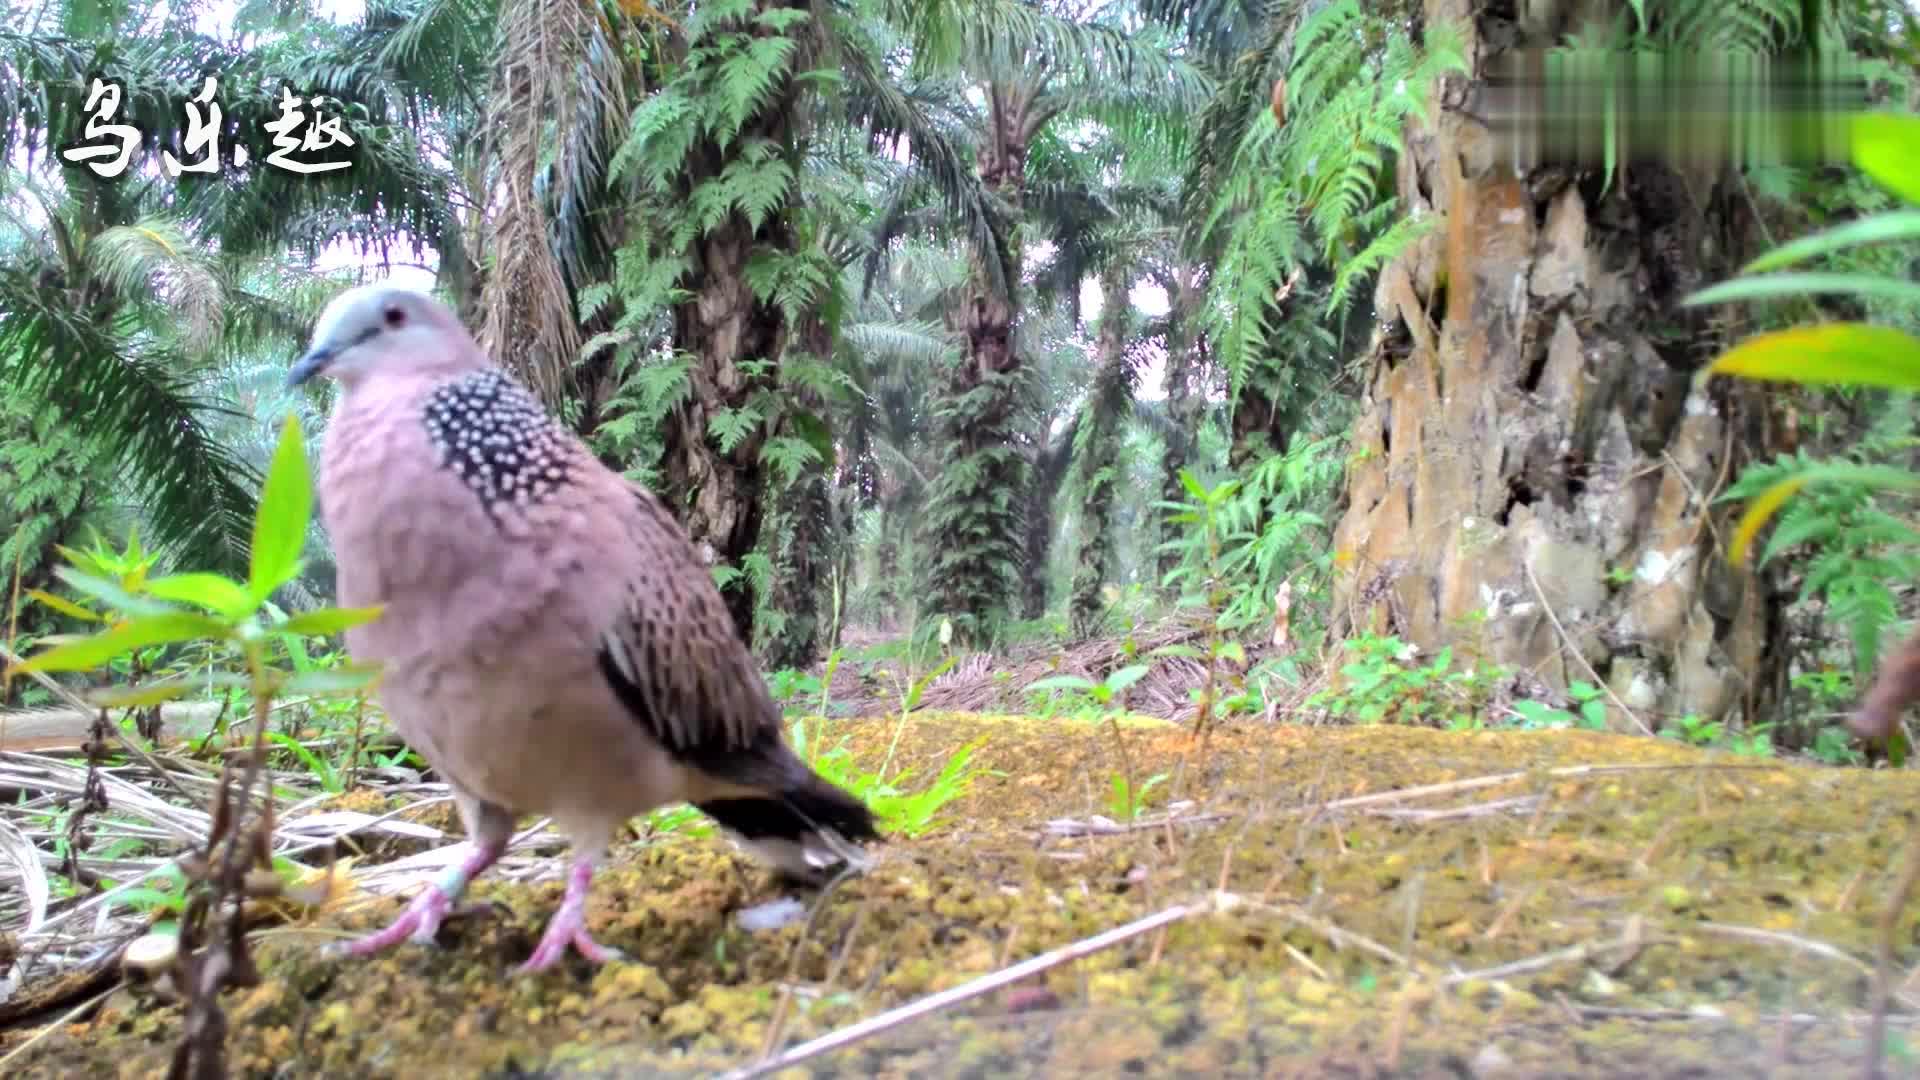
<point x="737" y="339"/>
<point x="720" y="494"/>
<point x="804" y="544"/>
<point x="1108" y="404"/>
<point x="975" y="524"/>
<point x="1046" y="473"/>
<point x="1529" y="449"/>
<point x="1186" y="397"/>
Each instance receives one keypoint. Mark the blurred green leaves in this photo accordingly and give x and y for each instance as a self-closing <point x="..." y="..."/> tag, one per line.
<point x="140" y="612"/>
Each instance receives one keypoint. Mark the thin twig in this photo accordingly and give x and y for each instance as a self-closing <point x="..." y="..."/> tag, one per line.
<point x="933" y="1003"/>
<point x="1567" y="640"/>
<point x="1496" y="779"/>
<point x="1523" y="967"/>
<point x="1498" y="806"/>
<point x="1098" y="825"/>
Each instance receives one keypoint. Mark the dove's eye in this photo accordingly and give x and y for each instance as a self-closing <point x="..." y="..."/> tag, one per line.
<point x="395" y="316"/>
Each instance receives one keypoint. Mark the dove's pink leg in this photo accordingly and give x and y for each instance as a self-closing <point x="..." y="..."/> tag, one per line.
<point x="568" y="925"/>
<point x="422" y="918"/>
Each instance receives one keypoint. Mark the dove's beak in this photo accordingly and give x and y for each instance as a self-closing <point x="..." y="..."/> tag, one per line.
<point x="312" y="364"/>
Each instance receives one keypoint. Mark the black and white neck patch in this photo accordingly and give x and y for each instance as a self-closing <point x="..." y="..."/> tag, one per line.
<point x="497" y="438"/>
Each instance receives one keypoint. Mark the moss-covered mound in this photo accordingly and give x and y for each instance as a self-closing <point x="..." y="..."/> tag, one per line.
<point x="1646" y="910"/>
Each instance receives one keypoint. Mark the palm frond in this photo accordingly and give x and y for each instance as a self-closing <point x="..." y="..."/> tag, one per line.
<point x="940" y="158"/>
<point x="545" y="84"/>
<point x="155" y="261"/>
<point x="197" y="495"/>
<point x="896" y="344"/>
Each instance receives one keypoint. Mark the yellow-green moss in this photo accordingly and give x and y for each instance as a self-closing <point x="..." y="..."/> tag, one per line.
<point x="1801" y="852"/>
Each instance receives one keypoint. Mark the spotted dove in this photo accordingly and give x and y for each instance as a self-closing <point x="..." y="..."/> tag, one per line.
<point x="551" y="642"/>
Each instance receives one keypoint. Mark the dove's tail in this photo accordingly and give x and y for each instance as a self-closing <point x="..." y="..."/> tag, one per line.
<point x="809" y="831"/>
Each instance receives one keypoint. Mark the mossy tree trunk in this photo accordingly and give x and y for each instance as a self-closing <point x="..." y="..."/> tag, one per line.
<point x="720" y="494"/>
<point x="737" y="333"/>
<point x="974" y="524"/>
<point x="1534" y="473"/>
<point x="1045" y="476"/>
<point x="886" y="562"/>
<point x="1264" y="418"/>
<point x="805" y="541"/>
<point x="1109" y="403"/>
<point x="805" y="546"/>
<point x="1186" y="368"/>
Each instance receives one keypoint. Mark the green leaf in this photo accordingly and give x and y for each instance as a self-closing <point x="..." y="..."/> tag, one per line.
<point x="814" y="430"/>
<point x="1834" y="354"/>
<point x="1878" y="228"/>
<point x="64" y="607"/>
<point x="1126" y="677"/>
<point x="153" y="693"/>
<point x="340" y="680"/>
<point x="1763" y="507"/>
<point x="111" y="594"/>
<point x="1595" y="713"/>
<point x="319" y="768"/>
<point x="1189" y="652"/>
<point x="286" y="507"/>
<point x="920" y="685"/>
<point x="330" y="620"/>
<point x="210" y="591"/>
<point x="142" y="897"/>
<point x="1885" y="146"/>
<point x="1796" y="285"/>
<point x="139" y="633"/>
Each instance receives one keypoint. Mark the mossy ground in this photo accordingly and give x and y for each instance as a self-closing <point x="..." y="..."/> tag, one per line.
<point x="1644" y="867"/>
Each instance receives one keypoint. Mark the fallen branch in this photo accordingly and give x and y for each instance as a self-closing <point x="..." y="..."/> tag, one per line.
<point x="13" y="659"/>
<point x="1340" y="938"/>
<point x="1525" y="967"/>
<point x="70" y="1017"/>
<point x="1806" y="945"/>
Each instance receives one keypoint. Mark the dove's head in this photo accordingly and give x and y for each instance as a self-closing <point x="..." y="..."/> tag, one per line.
<point x="381" y="329"/>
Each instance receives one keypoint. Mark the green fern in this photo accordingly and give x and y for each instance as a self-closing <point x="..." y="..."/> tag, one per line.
<point x="1859" y="551"/>
<point x="730" y="427"/>
<point x="1279" y="204"/>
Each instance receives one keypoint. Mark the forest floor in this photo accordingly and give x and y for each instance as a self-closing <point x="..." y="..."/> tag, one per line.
<point x="1362" y="901"/>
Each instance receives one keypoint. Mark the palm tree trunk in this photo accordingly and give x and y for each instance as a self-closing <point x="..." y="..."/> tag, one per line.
<point x="1186" y="366"/>
<point x="886" y="568"/>
<point x="1048" y="472"/>
<point x="737" y="339"/>
<point x="720" y="493"/>
<point x="805" y="544"/>
<point x="1106" y="410"/>
<point x="975" y="524"/>
<point x="1522" y="445"/>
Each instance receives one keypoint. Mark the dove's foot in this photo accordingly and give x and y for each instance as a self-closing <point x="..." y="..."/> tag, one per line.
<point x="568" y="926"/>
<point x="421" y="921"/>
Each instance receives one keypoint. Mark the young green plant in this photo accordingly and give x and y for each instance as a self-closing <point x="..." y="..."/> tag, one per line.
<point x="236" y="860"/>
